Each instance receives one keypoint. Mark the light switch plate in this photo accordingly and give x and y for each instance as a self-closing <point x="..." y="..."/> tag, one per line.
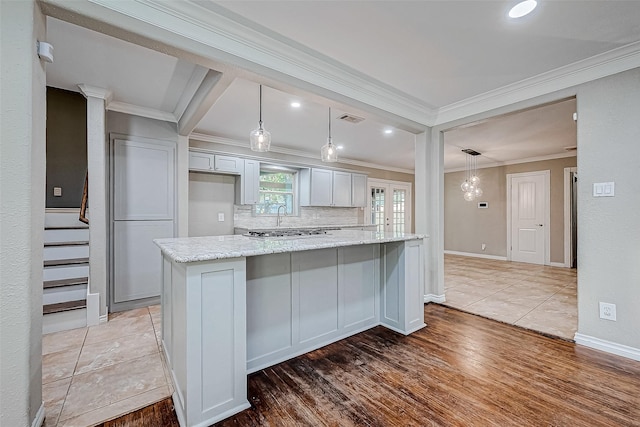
<point x="57" y="191"/>
<point x="604" y="189"/>
<point x="221" y="216"/>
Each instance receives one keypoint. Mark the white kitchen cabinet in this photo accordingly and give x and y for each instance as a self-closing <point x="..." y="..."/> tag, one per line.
<point x="228" y="164"/>
<point x="248" y="185"/>
<point x="358" y="190"/>
<point x="341" y="189"/>
<point x="207" y="162"/>
<point x="323" y="187"/>
<point x="201" y="161"/>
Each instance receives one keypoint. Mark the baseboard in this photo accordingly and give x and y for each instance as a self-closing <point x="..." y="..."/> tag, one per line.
<point x="434" y="298"/>
<point x="474" y="255"/>
<point x="93" y="309"/>
<point x="104" y="318"/>
<point x="64" y="320"/>
<point x="39" y="419"/>
<point x="557" y="264"/>
<point x="608" y="346"/>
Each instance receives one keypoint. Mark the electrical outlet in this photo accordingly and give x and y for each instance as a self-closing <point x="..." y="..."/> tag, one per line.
<point x="607" y="311"/>
<point x="57" y="191"/>
<point x="484" y="246"/>
<point x="221" y="216"/>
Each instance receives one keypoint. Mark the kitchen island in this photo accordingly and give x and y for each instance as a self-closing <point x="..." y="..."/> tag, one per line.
<point x="232" y="305"/>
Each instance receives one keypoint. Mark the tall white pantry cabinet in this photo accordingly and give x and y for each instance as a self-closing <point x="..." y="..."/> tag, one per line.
<point x="142" y="209"/>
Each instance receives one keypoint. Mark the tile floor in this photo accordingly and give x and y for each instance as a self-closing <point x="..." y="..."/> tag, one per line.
<point x="90" y="375"/>
<point x="535" y="297"/>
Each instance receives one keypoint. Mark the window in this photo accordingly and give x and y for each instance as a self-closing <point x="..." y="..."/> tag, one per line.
<point x="276" y="189"/>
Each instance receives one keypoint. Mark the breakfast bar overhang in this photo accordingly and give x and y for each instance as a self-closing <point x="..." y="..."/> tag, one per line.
<point x="232" y="305"/>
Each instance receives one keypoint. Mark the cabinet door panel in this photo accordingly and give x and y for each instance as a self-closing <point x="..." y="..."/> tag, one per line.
<point x="341" y="189"/>
<point x="359" y="284"/>
<point x="200" y="161"/>
<point x="315" y="273"/>
<point x="359" y="190"/>
<point x="143" y="177"/>
<point x="137" y="260"/>
<point x="321" y="187"/>
<point x="229" y="164"/>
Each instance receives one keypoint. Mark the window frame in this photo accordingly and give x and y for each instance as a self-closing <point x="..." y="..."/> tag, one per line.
<point x="295" y="205"/>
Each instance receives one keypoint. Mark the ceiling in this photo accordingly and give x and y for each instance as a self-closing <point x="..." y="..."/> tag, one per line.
<point x="438" y="53"/>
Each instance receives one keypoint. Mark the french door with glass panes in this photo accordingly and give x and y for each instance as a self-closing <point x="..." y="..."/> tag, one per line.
<point x="389" y="207"/>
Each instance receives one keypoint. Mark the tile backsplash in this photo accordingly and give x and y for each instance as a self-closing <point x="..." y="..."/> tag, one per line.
<point x="306" y="216"/>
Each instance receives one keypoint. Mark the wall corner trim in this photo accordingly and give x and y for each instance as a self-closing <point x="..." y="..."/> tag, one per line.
<point x="93" y="308"/>
<point x="607" y="346"/>
<point x="434" y="298"/>
<point x="95" y="92"/>
<point x="39" y="419"/>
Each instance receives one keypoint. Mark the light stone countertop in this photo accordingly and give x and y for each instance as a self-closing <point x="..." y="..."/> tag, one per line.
<point x="194" y="249"/>
<point x="306" y="227"/>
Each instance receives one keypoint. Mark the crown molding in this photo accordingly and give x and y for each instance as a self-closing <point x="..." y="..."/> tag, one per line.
<point x="136" y="110"/>
<point x="292" y="152"/>
<point x="519" y="161"/>
<point x="95" y="92"/>
<point x="605" y="64"/>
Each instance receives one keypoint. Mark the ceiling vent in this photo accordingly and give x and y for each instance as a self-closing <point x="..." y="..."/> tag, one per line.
<point x="351" y="118"/>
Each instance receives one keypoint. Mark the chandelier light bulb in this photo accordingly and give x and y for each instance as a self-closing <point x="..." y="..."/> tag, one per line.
<point x="465" y="186"/>
<point x="477" y="192"/>
<point x="475" y="180"/>
<point x="468" y="196"/>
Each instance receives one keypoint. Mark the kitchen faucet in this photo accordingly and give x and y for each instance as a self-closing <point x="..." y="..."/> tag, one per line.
<point x="278" y="219"/>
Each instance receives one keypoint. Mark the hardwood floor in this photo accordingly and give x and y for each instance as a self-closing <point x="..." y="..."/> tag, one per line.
<point x="461" y="370"/>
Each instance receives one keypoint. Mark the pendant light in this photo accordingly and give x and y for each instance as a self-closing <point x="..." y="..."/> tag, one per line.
<point x="471" y="184"/>
<point x="329" y="152"/>
<point x="260" y="138"/>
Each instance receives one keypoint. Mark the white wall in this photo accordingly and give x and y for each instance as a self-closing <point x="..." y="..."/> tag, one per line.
<point x="609" y="228"/>
<point x="22" y="184"/>
<point x="209" y="195"/>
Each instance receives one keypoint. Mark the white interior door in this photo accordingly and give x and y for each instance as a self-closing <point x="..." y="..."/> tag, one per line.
<point x="529" y="216"/>
<point x="389" y="207"/>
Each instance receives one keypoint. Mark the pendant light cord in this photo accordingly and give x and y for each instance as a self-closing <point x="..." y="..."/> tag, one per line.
<point x="329" y="124"/>
<point x="260" y="105"/>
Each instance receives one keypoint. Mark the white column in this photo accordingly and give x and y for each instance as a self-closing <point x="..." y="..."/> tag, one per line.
<point x="22" y="196"/>
<point x="97" y="157"/>
<point x="429" y="208"/>
<point x="183" y="185"/>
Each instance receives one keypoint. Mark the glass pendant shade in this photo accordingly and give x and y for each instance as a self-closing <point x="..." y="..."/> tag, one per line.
<point x="260" y="138"/>
<point x="471" y="184"/>
<point x="329" y="152"/>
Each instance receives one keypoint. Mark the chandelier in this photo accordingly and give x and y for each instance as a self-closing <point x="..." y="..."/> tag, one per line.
<point x="471" y="184"/>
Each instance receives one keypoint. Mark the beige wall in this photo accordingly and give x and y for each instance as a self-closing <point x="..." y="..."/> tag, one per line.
<point x="210" y="194"/>
<point x="466" y="227"/>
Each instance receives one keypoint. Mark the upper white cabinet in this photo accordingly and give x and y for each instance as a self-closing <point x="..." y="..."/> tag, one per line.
<point x="248" y="185"/>
<point x="229" y="164"/>
<point x="323" y="187"/>
<point x="341" y="189"/>
<point x="215" y="163"/>
<point x="358" y="190"/>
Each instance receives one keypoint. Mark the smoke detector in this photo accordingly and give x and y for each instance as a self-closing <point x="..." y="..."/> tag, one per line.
<point x="351" y="118"/>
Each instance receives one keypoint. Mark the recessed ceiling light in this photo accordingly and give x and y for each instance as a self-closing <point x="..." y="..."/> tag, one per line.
<point x="340" y="147"/>
<point x="295" y="104"/>
<point x="388" y="131"/>
<point x="523" y="8"/>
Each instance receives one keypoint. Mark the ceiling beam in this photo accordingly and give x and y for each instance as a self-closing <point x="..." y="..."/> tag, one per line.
<point x="212" y="87"/>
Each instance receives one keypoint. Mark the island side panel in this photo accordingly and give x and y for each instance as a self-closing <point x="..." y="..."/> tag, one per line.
<point x="402" y="274"/>
<point x="208" y="340"/>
